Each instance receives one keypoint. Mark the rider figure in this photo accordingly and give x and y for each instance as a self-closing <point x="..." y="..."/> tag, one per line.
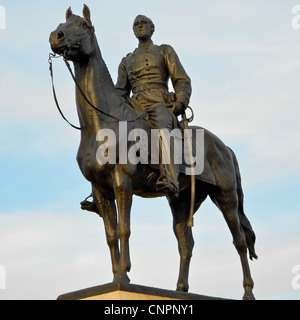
<point x="145" y="72"/>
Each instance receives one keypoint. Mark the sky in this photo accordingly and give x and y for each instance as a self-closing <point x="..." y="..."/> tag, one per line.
<point x="243" y="58"/>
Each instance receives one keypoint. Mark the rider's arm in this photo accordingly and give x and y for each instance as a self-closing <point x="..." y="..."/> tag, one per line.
<point x="180" y="80"/>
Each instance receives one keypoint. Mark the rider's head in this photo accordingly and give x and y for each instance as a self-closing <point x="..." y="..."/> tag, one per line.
<point x="143" y="27"/>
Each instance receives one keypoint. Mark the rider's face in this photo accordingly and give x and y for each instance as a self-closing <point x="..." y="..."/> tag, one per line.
<point x="142" y="28"/>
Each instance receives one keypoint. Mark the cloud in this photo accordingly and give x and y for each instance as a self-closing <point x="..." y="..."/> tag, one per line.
<point x="41" y="248"/>
<point x="47" y="254"/>
<point x="25" y="99"/>
<point x="30" y="121"/>
<point x="256" y="105"/>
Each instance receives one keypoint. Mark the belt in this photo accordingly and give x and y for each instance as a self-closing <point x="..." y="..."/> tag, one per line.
<point x="149" y="86"/>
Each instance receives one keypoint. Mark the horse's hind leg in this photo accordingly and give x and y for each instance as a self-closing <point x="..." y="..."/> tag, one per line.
<point x="108" y="212"/>
<point x="180" y="209"/>
<point x="227" y="202"/>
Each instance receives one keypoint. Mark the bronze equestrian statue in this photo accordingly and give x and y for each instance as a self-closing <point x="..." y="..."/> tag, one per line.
<point x="100" y="106"/>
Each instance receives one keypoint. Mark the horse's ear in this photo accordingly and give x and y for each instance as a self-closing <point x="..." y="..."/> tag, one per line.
<point x="68" y="13"/>
<point x="86" y="12"/>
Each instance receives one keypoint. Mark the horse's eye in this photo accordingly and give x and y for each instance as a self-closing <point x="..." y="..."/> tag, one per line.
<point x="83" y="23"/>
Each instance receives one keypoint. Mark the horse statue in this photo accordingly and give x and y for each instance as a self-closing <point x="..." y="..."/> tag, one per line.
<point x="100" y="107"/>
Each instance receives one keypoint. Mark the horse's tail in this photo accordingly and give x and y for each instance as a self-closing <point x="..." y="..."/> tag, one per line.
<point x="245" y="223"/>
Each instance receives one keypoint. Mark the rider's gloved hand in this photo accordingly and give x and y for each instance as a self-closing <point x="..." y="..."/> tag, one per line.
<point x="177" y="108"/>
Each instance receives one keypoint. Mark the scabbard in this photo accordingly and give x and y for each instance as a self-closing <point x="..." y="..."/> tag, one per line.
<point x="190" y="221"/>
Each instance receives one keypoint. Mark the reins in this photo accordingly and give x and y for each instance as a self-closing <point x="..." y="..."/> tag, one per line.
<point x="51" y="55"/>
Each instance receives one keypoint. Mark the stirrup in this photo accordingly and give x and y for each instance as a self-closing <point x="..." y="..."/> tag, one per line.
<point x="89" y="205"/>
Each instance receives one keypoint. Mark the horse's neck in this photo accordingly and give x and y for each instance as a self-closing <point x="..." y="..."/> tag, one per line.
<point x="96" y="83"/>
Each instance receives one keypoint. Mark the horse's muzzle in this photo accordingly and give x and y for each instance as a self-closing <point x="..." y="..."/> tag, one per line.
<point x="57" y="41"/>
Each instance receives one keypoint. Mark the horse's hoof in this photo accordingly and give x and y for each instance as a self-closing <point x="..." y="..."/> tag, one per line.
<point x="182" y="288"/>
<point x="248" y="296"/>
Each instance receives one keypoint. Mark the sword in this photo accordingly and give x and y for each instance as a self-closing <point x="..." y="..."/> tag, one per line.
<point x="185" y="121"/>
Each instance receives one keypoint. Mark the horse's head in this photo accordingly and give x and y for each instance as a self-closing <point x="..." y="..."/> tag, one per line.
<point x="75" y="38"/>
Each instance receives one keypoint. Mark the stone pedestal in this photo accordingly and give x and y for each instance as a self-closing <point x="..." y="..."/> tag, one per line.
<point x="118" y="291"/>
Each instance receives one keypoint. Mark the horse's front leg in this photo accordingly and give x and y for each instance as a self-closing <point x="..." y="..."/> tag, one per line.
<point x="123" y="194"/>
<point x="108" y="212"/>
